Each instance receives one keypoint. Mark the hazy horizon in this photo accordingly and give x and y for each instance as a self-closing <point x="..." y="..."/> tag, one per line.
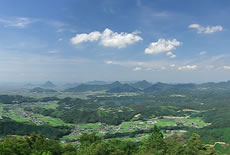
<point x="63" y="83"/>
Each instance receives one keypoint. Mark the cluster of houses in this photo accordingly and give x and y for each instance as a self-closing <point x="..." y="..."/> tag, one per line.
<point x="33" y="119"/>
<point x="37" y="121"/>
<point x="110" y="129"/>
<point x="135" y="125"/>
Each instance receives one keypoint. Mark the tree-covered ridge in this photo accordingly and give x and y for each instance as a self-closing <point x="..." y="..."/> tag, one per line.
<point x="94" y="87"/>
<point x="42" y="90"/>
<point x="48" y="84"/>
<point x="90" y="111"/>
<point x="92" y="145"/>
<point x="19" y="99"/>
<point x="141" y="84"/>
<point x="123" y="88"/>
<point x="15" y="99"/>
<point x="10" y="127"/>
<point x="147" y="87"/>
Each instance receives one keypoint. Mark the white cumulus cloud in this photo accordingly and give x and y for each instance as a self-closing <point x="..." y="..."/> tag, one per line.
<point x="171" y="55"/>
<point x="206" y="30"/>
<point x="108" y="38"/>
<point x="137" y="69"/>
<point x="120" y="40"/>
<point x="109" y="62"/>
<point x="227" y="67"/>
<point x="188" y="67"/>
<point x="80" y="38"/>
<point x="162" y="46"/>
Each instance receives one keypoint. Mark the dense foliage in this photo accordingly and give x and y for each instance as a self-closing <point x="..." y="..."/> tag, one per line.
<point x="42" y="90"/>
<point x="147" y="87"/>
<point x="18" y="99"/>
<point x="15" y="99"/>
<point x="91" y="145"/>
<point x="10" y="127"/>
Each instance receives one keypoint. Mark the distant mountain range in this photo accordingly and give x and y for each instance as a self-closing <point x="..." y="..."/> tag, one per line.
<point x="42" y="90"/>
<point x="123" y="88"/>
<point x="94" y="87"/>
<point x="220" y="85"/>
<point x="70" y="85"/>
<point x="141" y="84"/>
<point x="48" y="84"/>
<point x="147" y="87"/>
<point x="166" y="87"/>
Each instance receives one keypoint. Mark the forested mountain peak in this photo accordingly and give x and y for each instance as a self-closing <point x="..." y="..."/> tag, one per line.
<point x="48" y="84"/>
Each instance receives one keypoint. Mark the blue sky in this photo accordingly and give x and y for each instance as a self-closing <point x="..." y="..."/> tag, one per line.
<point x="126" y="40"/>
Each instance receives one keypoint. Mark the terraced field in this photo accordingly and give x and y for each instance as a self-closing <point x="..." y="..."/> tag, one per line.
<point x="51" y="105"/>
